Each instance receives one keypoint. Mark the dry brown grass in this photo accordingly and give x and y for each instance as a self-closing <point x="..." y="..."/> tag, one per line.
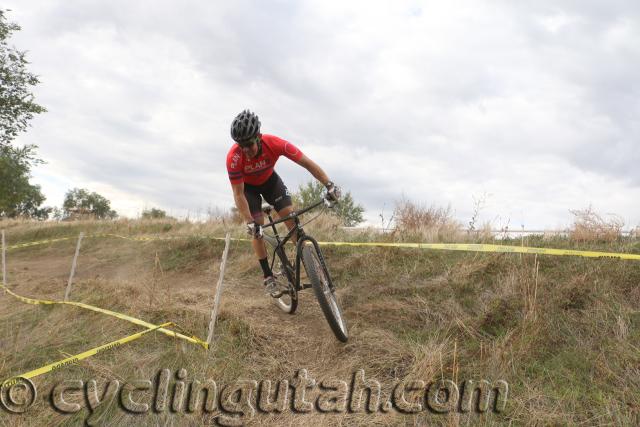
<point x="561" y="331"/>
<point x="432" y="223"/>
<point x="589" y="226"/>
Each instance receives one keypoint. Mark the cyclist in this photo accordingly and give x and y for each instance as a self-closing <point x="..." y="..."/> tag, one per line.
<point x="250" y="164"/>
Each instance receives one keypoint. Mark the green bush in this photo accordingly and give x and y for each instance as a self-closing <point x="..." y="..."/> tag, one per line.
<point x="347" y="210"/>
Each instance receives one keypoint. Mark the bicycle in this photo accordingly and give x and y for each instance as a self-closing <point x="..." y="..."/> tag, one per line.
<point x="309" y="255"/>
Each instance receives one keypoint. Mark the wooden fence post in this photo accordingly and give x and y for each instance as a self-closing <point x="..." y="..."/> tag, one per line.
<point x="73" y="268"/>
<point x="216" y="302"/>
<point x="4" y="263"/>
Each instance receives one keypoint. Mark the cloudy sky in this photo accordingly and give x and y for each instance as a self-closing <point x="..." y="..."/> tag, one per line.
<point x="532" y="105"/>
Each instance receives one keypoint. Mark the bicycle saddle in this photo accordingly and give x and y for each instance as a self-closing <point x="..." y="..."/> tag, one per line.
<point x="266" y="208"/>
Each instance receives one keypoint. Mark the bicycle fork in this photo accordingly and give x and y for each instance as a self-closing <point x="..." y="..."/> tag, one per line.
<point x="299" y="260"/>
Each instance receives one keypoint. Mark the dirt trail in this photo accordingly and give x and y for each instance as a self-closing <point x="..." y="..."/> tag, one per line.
<point x="305" y="335"/>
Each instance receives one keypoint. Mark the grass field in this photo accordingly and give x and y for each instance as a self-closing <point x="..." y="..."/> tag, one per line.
<point x="563" y="332"/>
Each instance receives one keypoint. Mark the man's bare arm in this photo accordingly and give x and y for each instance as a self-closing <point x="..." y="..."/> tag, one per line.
<point x="314" y="169"/>
<point x="241" y="201"/>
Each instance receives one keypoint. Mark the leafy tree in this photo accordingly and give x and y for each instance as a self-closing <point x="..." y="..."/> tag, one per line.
<point x="80" y="202"/>
<point x="153" y="213"/>
<point x="57" y="213"/>
<point x="17" y="105"/>
<point x="347" y="209"/>
<point x="18" y="197"/>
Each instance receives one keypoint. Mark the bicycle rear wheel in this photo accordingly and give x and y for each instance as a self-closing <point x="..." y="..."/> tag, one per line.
<point x="323" y="289"/>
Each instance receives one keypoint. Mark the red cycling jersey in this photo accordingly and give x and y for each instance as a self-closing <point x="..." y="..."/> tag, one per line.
<point x="257" y="171"/>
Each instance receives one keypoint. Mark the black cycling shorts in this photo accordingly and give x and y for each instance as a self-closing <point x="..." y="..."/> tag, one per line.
<point x="274" y="192"/>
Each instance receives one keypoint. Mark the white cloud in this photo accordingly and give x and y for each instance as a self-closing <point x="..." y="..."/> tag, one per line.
<point x="535" y="104"/>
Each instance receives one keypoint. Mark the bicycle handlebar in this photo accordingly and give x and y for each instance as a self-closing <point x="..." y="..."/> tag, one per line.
<point x="294" y="214"/>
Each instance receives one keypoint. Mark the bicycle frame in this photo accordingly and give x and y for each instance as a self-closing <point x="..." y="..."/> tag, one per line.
<point x="301" y="239"/>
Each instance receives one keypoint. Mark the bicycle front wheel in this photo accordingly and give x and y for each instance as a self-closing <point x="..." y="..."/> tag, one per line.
<point x="323" y="289"/>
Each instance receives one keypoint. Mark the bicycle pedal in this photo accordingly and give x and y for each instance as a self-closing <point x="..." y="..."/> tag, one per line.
<point x="277" y="294"/>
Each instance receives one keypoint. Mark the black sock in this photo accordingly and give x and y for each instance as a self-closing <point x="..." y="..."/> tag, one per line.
<point x="266" y="270"/>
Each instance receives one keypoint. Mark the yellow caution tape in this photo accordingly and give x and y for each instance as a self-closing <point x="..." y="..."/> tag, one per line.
<point x="147" y="238"/>
<point x="191" y="338"/>
<point x="134" y="238"/>
<point x="474" y="247"/>
<point x="39" y="242"/>
<point x="73" y="359"/>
